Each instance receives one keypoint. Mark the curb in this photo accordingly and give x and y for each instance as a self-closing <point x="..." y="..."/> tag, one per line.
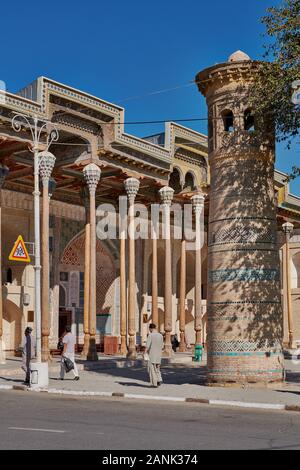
<point x="236" y="404"/>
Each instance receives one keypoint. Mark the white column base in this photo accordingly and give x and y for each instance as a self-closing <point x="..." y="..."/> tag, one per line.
<point x="39" y="375"/>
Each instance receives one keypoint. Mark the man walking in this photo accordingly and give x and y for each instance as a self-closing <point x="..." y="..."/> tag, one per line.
<point x="28" y="353"/>
<point x="154" y="347"/>
<point x="69" y="352"/>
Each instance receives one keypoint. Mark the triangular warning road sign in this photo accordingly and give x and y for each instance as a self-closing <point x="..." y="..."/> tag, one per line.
<point x="19" y="251"/>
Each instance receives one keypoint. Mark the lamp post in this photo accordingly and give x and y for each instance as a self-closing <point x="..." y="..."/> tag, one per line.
<point x="288" y="229"/>
<point x="36" y="126"/>
<point x="3" y="173"/>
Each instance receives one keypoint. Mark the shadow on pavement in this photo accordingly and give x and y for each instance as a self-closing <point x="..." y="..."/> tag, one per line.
<point x="171" y="375"/>
<point x="11" y="379"/>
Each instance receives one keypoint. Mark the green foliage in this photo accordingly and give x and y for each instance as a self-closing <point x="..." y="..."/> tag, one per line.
<point x="272" y="90"/>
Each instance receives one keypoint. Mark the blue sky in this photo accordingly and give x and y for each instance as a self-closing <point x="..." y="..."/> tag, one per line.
<point x="123" y="49"/>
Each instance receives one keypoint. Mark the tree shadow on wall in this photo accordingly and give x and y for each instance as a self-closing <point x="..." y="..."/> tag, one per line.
<point x="243" y="271"/>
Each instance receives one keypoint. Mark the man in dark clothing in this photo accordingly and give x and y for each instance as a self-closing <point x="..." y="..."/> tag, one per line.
<point x="28" y="353"/>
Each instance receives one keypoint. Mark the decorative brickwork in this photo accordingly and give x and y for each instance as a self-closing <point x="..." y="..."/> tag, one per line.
<point x="244" y="274"/>
<point x="244" y="317"/>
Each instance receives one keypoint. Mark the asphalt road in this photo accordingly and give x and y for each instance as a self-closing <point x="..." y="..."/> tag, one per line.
<point x="40" y="421"/>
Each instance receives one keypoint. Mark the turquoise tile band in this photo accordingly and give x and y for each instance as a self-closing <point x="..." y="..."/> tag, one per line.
<point x="244" y="274"/>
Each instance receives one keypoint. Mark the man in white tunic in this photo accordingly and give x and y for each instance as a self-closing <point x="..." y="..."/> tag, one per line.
<point x="69" y="352"/>
<point x="154" y="347"/>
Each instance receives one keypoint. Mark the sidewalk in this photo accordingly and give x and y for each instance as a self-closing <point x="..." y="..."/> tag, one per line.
<point x="183" y="381"/>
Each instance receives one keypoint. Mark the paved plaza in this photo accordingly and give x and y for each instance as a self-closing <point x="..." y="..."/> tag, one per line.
<point x="182" y="379"/>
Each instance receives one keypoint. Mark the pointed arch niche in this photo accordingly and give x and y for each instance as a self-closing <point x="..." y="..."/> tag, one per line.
<point x="72" y="278"/>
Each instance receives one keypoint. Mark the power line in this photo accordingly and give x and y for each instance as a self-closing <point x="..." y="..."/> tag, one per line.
<point x="157" y="92"/>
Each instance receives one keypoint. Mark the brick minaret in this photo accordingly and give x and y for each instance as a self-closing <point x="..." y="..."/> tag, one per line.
<point x="244" y="305"/>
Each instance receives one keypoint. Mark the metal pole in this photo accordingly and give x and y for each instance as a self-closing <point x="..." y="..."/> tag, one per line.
<point x="37" y="265"/>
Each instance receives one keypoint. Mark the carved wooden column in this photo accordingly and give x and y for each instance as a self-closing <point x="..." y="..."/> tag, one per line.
<point x="87" y="254"/>
<point x="166" y="195"/>
<point x="92" y="175"/>
<point x="56" y="278"/>
<point x="182" y="295"/>
<point x="154" y="306"/>
<point x="131" y="187"/>
<point x="46" y="165"/>
<point x="288" y="229"/>
<point x="198" y="203"/>
<point x="3" y="172"/>
<point x="123" y="303"/>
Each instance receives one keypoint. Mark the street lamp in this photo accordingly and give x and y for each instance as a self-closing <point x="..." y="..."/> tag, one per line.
<point x="36" y="126"/>
<point x="287" y="228"/>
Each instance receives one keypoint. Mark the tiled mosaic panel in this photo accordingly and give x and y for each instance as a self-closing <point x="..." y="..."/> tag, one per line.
<point x="245" y="274"/>
<point x="241" y="233"/>
<point x="74" y="256"/>
<point x="69" y="229"/>
<point x="239" y="312"/>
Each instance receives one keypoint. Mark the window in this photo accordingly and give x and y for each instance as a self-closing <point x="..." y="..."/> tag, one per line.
<point x="227" y="116"/>
<point x="9" y="277"/>
<point x="189" y="182"/>
<point x="64" y="276"/>
<point x="174" y="181"/>
<point x="249" y="121"/>
<point x="62" y="296"/>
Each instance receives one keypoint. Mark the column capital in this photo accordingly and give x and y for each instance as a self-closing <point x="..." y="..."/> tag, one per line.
<point x="288" y="228"/>
<point x="91" y="174"/>
<point x="166" y="195"/>
<point x="197" y="202"/>
<point x="131" y="187"/>
<point x="46" y="165"/>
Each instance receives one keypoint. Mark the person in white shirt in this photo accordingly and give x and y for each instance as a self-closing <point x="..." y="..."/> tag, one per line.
<point x="68" y="351"/>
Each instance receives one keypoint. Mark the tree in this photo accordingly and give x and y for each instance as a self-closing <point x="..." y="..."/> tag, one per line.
<point x="273" y="87"/>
